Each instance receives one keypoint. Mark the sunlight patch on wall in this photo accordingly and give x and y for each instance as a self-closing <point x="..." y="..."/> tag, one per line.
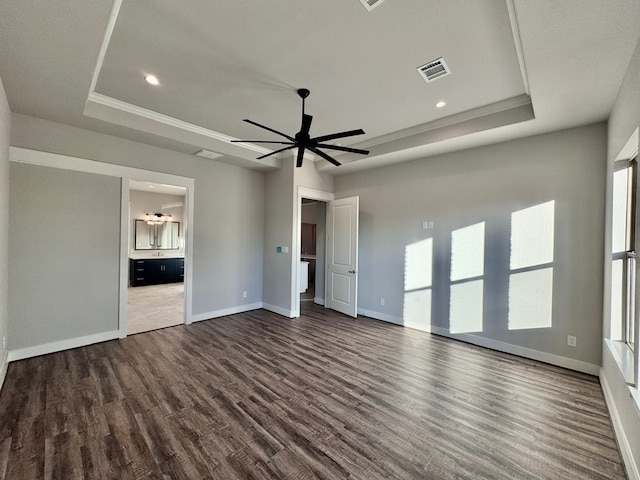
<point x="530" y="295"/>
<point x="418" y="271"/>
<point x="531" y="279"/>
<point x="467" y="286"/>
<point x="532" y="236"/>
<point x="417" y="309"/>
<point x="418" y="261"/>
<point x="465" y="313"/>
<point x="467" y="252"/>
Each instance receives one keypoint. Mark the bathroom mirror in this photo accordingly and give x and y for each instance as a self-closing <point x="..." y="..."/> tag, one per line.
<point x="156" y="237"/>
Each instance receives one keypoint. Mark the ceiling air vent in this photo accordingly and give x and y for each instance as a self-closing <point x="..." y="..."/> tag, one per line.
<point x="208" y="154"/>
<point x="434" y="69"/>
<point x="371" y="4"/>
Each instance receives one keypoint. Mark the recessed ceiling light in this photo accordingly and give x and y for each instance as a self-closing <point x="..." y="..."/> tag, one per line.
<point x="441" y="104"/>
<point x="152" y="79"/>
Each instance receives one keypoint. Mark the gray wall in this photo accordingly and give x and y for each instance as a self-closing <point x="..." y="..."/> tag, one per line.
<point x="228" y="211"/>
<point x="5" y="129"/>
<point x="64" y="242"/>
<point x="281" y="211"/>
<point x="279" y="202"/>
<point x="624" y="119"/>
<point x="487" y="185"/>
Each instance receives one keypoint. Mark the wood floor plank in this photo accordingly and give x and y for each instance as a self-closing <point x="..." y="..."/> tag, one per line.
<point x="256" y="395"/>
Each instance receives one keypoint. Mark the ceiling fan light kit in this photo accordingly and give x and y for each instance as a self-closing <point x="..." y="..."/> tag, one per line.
<point x="303" y="141"/>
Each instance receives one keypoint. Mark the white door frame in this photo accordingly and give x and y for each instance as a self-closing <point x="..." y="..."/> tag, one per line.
<point x="125" y="226"/>
<point x="311" y="194"/>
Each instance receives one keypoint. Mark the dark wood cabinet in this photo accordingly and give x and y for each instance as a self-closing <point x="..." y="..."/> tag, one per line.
<point x="153" y="271"/>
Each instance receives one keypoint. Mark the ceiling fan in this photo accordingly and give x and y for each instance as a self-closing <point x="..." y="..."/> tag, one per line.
<point x="303" y="141"/>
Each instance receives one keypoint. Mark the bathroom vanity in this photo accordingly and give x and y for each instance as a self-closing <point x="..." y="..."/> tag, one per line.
<point x="153" y="271"/>
<point x="157" y="257"/>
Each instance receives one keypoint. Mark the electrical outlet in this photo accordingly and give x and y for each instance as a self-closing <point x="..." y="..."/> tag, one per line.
<point x="571" y="340"/>
<point x="244" y="294"/>
<point x="382" y="302"/>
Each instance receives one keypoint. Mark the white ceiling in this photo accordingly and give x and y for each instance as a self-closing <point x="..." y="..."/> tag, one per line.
<point x="519" y="68"/>
<point x="152" y="187"/>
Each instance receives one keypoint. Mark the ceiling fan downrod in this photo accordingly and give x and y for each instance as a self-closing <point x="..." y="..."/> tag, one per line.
<point x="303" y="93"/>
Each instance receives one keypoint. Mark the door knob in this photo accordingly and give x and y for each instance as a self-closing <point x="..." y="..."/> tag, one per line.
<point x="352" y="271"/>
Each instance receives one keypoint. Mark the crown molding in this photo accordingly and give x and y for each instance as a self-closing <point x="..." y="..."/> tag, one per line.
<point x="104" y="100"/>
<point x="451" y="120"/>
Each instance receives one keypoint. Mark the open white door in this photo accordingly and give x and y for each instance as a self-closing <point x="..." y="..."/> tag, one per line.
<point x="342" y="255"/>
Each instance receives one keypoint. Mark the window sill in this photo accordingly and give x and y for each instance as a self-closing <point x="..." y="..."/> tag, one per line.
<point x="623" y="356"/>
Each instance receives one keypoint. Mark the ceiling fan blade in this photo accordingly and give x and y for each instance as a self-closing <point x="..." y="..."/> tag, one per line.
<point x="300" y="156"/>
<point x="261" y="141"/>
<point x="277" y="151"/>
<point x="325" y="156"/>
<point x="268" y="128"/>
<point x="306" y="123"/>
<point x="333" y="136"/>
<point x="343" y="149"/>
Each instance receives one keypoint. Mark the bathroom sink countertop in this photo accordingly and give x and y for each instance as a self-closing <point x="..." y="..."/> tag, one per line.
<point x="155" y="254"/>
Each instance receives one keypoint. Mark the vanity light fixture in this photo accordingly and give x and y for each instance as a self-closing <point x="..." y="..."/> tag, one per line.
<point x="157" y="218"/>
<point x="152" y="79"/>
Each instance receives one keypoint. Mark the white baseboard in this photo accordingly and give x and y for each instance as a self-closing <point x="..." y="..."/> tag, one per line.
<point x="60" y="345"/>
<point x="630" y="464"/>
<point x="557" y="360"/>
<point x="279" y="310"/>
<point x="565" y="362"/>
<point x="380" y="316"/>
<point x="224" y="312"/>
<point x="318" y="301"/>
<point x="4" y="364"/>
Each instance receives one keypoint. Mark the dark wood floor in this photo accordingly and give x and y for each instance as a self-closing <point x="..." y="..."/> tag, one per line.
<point x="256" y="395"/>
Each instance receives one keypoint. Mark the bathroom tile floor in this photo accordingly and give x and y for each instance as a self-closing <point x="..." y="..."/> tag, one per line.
<point x="154" y="306"/>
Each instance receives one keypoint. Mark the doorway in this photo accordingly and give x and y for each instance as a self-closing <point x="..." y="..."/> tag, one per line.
<point x="312" y="251"/>
<point x="156" y="253"/>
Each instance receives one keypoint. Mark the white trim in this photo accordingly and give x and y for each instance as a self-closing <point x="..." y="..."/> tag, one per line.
<point x="381" y="316"/>
<point x="278" y="310"/>
<point x="125" y="212"/>
<point x="61" y="345"/>
<point x="456" y="119"/>
<point x="564" y="362"/>
<point x="113" y="16"/>
<point x="55" y="160"/>
<point x="635" y="394"/>
<point x="200" y="317"/>
<point x="312" y="194"/>
<point x="630" y="149"/>
<point x="623" y="356"/>
<point x="116" y="104"/>
<point x="188" y="259"/>
<point x="517" y="41"/>
<point x="623" y="442"/>
<point x="318" y="301"/>
<point x="4" y="365"/>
